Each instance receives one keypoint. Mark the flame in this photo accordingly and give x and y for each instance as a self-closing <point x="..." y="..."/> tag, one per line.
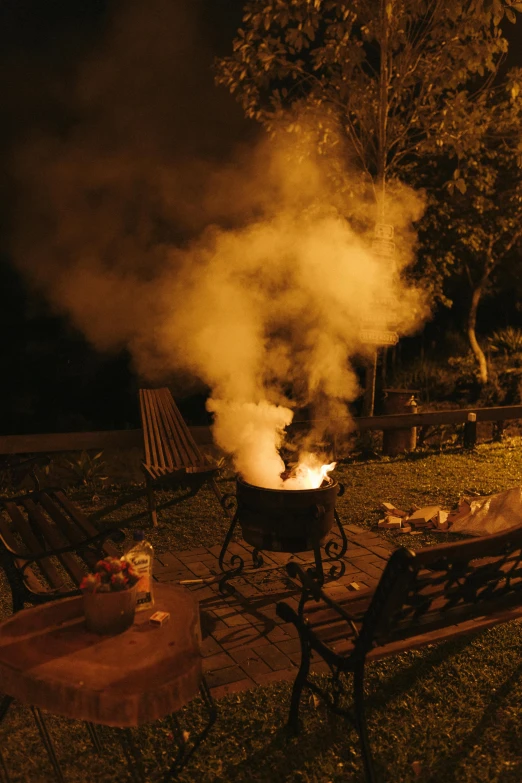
<point x="309" y="474"/>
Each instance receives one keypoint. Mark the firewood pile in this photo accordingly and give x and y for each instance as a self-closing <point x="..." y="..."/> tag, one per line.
<point x="417" y="520"/>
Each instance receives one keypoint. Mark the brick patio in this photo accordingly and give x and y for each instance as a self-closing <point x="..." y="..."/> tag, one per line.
<point x="244" y="642"/>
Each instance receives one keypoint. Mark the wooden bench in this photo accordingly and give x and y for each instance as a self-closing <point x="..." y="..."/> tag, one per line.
<point x="422" y="598"/>
<point x="47" y="545"/>
<point x="171" y="453"/>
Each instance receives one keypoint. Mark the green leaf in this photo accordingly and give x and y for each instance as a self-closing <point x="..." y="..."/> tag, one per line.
<point x="461" y="185"/>
<point x="511" y="16"/>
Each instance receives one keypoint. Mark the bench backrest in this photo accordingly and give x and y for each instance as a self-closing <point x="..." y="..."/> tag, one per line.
<point x="444" y="585"/>
<point x="167" y="439"/>
<point x="46" y="521"/>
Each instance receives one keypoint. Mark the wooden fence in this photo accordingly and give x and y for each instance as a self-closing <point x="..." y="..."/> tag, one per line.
<point x="126" y="439"/>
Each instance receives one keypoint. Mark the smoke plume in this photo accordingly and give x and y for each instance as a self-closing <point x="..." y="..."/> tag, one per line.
<point x="255" y="275"/>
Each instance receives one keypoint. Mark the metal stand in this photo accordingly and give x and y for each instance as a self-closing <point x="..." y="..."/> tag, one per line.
<point x="333" y="552"/>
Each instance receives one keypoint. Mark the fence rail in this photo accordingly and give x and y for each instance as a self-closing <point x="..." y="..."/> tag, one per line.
<point x="80" y="441"/>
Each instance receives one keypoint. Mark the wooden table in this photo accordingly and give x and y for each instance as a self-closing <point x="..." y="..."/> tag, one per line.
<point x="50" y="661"/>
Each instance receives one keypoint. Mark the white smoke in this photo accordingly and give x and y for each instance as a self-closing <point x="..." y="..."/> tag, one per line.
<point x="265" y="304"/>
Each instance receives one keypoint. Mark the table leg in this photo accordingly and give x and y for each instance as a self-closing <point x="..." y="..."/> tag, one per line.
<point x="185" y="753"/>
<point x="4" y="707"/>
<point x="4" y="774"/>
<point x="95" y="737"/>
<point x="132" y="755"/>
<point x="48" y="744"/>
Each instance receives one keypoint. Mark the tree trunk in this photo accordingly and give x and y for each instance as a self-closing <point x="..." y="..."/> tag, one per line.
<point x="476" y="294"/>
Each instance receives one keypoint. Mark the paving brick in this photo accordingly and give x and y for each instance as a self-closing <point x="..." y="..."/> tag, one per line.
<point x="242" y="654"/>
<point x="370" y="569"/>
<point x="172" y="576"/>
<point x="289" y="646"/>
<point x="199" y="569"/>
<point x="222" y="610"/>
<point x="357" y="553"/>
<point x="275" y="658"/>
<point x="233" y="687"/>
<point x="353" y="529"/>
<point x="370" y="538"/>
<point x="236" y="619"/>
<point x="169" y="559"/>
<point x="270" y="613"/>
<point x="170" y="568"/>
<point x="203" y="593"/>
<point x="348" y="577"/>
<point x="239" y="549"/>
<point x="255" y="667"/>
<point x="382" y="550"/>
<point x="189" y="554"/>
<point x="224" y="676"/>
<point x="277" y="676"/>
<point x="212" y="625"/>
<point x="378" y="562"/>
<point x="207" y="558"/>
<point x="220" y="660"/>
<point x="248" y="591"/>
<point x="290" y="630"/>
<point x="238" y="637"/>
<point x="337" y="592"/>
<point x="277" y="634"/>
<point x="209" y="646"/>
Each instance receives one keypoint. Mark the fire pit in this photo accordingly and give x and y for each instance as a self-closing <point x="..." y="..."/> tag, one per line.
<point x="291" y="520"/>
<point x="285" y="520"/>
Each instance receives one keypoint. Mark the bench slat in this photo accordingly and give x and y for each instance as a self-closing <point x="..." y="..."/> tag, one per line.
<point x="84" y="523"/>
<point x="144" y="426"/>
<point x="171" y="453"/>
<point x="180" y="437"/>
<point x="54" y="539"/>
<point x="169" y="446"/>
<point x="150" y="431"/>
<point x="178" y="456"/>
<point x="72" y="534"/>
<point x="167" y="461"/>
<point x="33" y="545"/>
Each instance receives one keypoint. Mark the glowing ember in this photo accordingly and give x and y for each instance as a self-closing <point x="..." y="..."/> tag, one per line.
<point x="309" y="474"/>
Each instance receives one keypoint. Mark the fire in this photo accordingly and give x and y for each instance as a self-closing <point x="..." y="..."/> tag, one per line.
<point x="309" y="474"/>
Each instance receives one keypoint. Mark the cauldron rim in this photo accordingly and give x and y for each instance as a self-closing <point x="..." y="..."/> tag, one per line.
<point x="290" y="492"/>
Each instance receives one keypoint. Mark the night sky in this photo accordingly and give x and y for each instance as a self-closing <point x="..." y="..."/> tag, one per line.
<point x="64" y="63"/>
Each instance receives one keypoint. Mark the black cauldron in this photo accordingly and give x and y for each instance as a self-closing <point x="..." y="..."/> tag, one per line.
<point x="286" y="520"/>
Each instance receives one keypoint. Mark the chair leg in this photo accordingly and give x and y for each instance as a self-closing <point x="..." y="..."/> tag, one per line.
<point x="94" y="734"/>
<point x="151" y="498"/>
<point x="297" y="690"/>
<point x="360" y="720"/>
<point x="48" y="744"/>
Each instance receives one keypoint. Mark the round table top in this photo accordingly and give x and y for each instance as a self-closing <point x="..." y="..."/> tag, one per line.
<point x="48" y="659"/>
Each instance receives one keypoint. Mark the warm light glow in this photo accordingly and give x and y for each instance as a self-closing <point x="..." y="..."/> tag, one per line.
<point x="309" y="474"/>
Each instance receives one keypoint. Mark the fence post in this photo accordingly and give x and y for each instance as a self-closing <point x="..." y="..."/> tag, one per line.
<point x="470" y="431"/>
<point x="398" y="441"/>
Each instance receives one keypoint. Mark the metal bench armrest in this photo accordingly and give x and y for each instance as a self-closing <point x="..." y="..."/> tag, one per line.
<point x="312" y="589"/>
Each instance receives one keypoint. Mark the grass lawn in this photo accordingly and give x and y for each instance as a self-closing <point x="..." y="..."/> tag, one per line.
<point x="449" y="712"/>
